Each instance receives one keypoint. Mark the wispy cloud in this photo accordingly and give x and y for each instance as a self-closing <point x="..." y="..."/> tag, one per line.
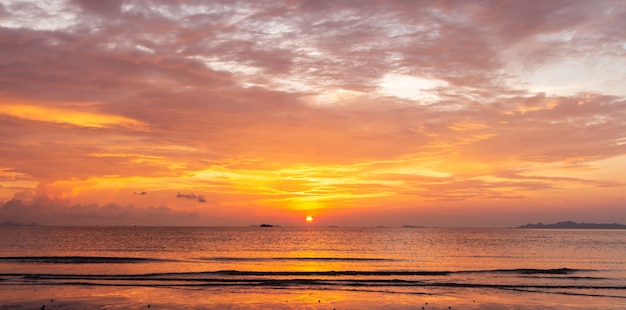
<point x="69" y="116"/>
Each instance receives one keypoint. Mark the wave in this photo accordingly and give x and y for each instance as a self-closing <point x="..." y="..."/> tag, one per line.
<point x="392" y="281"/>
<point x="77" y="259"/>
<point x="325" y="274"/>
<point x="521" y="271"/>
<point x="131" y="260"/>
<point x="251" y="277"/>
<point x="535" y="271"/>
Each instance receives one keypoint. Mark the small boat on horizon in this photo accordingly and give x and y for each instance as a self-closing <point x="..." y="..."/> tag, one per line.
<point x="266" y="225"/>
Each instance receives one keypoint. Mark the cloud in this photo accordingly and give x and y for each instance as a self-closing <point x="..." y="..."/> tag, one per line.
<point x="304" y="101"/>
<point x="108" y="9"/>
<point x="68" y="116"/>
<point x="54" y="213"/>
<point x="200" y="198"/>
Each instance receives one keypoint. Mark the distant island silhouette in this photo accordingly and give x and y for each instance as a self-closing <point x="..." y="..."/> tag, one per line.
<point x="11" y="223"/>
<point x="413" y="226"/>
<point x="574" y="225"/>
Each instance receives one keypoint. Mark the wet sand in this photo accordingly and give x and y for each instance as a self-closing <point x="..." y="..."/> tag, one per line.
<point x="69" y="297"/>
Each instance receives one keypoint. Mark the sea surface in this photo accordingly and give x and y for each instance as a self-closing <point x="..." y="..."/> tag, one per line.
<point x="315" y="268"/>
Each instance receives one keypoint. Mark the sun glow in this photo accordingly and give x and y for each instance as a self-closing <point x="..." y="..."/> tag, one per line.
<point x="309" y="219"/>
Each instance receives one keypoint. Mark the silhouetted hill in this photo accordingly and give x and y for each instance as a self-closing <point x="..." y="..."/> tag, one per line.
<point x="574" y="225"/>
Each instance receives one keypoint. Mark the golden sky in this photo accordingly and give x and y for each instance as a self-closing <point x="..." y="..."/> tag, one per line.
<point x="358" y="113"/>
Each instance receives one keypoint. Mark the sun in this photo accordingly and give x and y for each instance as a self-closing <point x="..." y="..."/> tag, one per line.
<point x="309" y="219"/>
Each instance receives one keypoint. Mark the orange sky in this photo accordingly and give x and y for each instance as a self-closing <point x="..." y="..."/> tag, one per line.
<point x="434" y="113"/>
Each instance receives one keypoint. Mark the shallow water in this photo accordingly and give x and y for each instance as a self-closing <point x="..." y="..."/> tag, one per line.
<point x="373" y="266"/>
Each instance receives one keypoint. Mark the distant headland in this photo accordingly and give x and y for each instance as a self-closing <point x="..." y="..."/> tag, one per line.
<point x="573" y="225"/>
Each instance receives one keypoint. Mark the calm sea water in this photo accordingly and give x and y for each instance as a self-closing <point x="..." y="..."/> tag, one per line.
<point x="570" y="266"/>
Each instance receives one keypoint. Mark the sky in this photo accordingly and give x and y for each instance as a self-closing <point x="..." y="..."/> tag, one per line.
<point x="357" y="113"/>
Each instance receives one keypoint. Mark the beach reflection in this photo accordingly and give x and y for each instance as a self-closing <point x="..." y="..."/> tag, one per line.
<point x="113" y="298"/>
<point x="253" y="298"/>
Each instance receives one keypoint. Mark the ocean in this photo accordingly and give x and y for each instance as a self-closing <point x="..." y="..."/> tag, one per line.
<point x="311" y="268"/>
